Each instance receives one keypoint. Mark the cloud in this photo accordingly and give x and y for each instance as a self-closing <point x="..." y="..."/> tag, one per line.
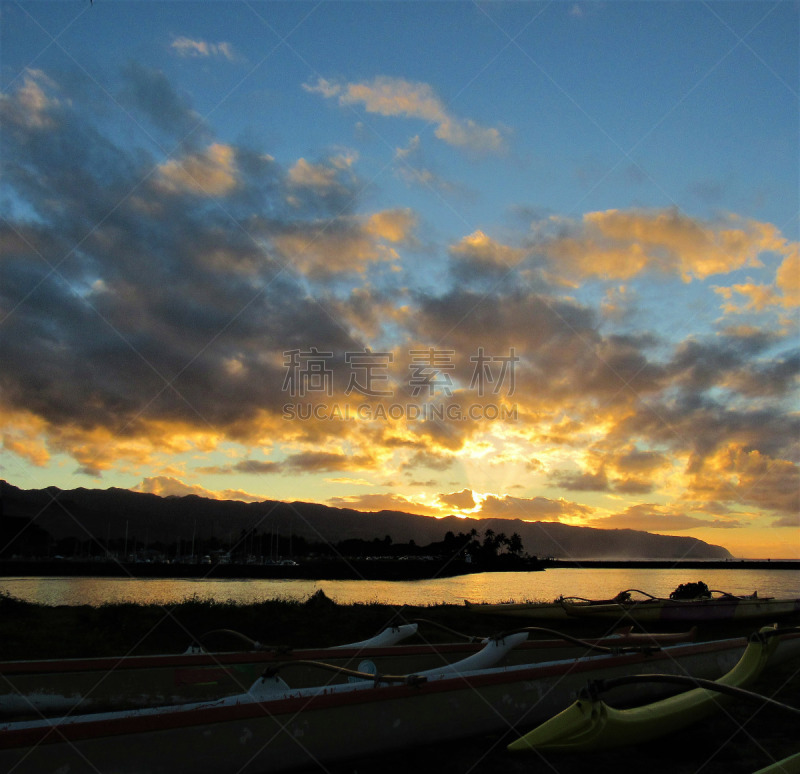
<point x="201" y="48"/>
<point x="315" y="462"/>
<point x="150" y="95"/>
<point x="531" y="509"/>
<point x="734" y="473"/>
<point x="398" y="97"/>
<point x="167" y="486"/>
<point x="255" y="467"/>
<point x="756" y="297"/>
<point x="620" y="245"/>
<point x="462" y="501"/>
<point x="478" y="253"/>
<point x="654" y="518"/>
<point x="32" y="106"/>
<point x="323" y="248"/>
<point x="211" y="172"/>
<point x="582" y="482"/>
<point x="324" y="178"/>
<point x="382" y="502"/>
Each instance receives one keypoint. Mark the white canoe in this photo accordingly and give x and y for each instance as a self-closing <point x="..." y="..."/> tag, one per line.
<point x="61" y="686"/>
<point x="275" y="728"/>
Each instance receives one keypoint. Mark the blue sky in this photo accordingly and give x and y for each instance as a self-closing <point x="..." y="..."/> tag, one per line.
<point x="601" y="196"/>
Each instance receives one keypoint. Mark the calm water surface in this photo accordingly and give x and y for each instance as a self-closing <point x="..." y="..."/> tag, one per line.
<point x="482" y="587"/>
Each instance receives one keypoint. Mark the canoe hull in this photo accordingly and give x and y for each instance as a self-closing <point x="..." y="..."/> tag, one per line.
<point x="591" y="724"/>
<point x="309" y="726"/>
<point x="689" y="611"/>
<point x="106" y="684"/>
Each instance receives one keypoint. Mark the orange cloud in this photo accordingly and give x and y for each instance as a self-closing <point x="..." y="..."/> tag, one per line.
<point x="735" y="474"/>
<point x="383" y="502"/>
<point x="478" y="247"/>
<point x="617" y="244"/>
<point x="463" y="500"/>
<point x="398" y="97"/>
<point x="210" y="173"/>
<point x="531" y="509"/>
<point x="167" y="486"/>
<point x="347" y="244"/>
<point x="656" y="518"/>
<point x="391" y="225"/>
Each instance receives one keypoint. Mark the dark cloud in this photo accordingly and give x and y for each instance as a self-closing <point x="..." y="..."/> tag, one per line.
<point x="582" y="482"/>
<point x="134" y="300"/>
<point x="315" y="462"/>
<point x="257" y="467"/>
<point x="148" y="93"/>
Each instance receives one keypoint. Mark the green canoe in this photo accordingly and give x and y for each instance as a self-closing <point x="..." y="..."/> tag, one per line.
<point x="590" y="724"/>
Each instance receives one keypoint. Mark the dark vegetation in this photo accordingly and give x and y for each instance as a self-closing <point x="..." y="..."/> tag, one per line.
<point x="28" y="630"/>
<point x="256" y="546"/>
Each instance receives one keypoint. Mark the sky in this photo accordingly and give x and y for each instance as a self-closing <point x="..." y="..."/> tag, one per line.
<point x="523" y="260"/>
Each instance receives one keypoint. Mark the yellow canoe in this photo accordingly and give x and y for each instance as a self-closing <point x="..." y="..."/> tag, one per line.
<point x="790" y="765"/>
<point x="590" y="724"/>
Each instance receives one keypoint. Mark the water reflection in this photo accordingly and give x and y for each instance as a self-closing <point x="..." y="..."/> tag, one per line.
<point x="482" y="587"/>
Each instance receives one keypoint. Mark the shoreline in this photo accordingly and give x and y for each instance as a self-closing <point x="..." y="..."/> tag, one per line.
<point x="350" y="569"/>
<point x="356" y="569"/>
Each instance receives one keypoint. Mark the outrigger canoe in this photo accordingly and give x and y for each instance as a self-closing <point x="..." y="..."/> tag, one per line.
<point x="726" y="607"/>
<point x="275" y="728"/>
<point x="58" y="686"/>
<point x="540" y="611"/>
<point x="649" y="609"/>
<point x="590" y="724"/>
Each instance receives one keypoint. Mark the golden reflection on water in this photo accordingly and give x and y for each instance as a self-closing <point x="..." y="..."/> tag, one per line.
<point x="480" y="587"/>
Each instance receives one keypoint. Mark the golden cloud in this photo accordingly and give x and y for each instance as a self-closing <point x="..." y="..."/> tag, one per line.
<point x="480" y="248"/>
<point x="322" y="250"/>
<point x="383" y="502"/>
<point x="320" y="177"/>
<point x="620" y="245"/>
<point x="210" y="173"/>
<point x="398" y="97"/>
<point x="391" y="225"/>
<point x="736" y="474"/>
<point x="463" y="500"/>
<point x="22" y="435"/>
<point x="168" y="486"/>
<point x="788" y="277"/>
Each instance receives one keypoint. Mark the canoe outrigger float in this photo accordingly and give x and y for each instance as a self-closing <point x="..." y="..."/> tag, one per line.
<point x="275" y="727"/>
<point x="541" y="611"/>
<point x="650" y="609"/>
<point x="58" y="686"/>
<point x="724" y="607"/>
<point x="590" y="724"/>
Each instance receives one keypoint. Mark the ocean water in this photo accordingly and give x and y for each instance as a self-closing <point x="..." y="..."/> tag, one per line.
<point x="480" y="587"/>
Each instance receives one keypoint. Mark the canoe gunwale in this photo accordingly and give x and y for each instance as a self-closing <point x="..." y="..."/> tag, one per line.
<point x="122" y="723"/>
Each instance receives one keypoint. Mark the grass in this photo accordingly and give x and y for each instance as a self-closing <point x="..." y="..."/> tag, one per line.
<point x="32" y="631"/>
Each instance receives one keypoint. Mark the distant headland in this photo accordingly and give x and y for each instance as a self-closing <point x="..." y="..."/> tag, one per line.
<point x="133" y="527"/>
